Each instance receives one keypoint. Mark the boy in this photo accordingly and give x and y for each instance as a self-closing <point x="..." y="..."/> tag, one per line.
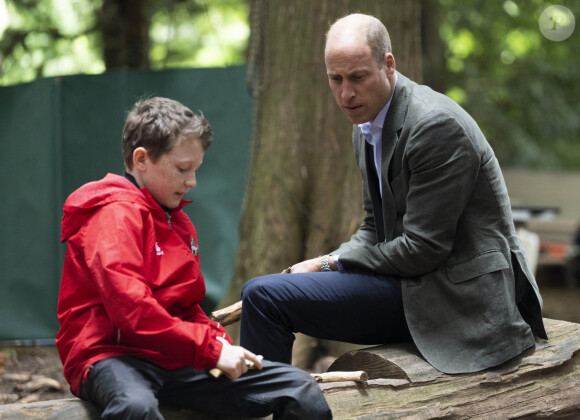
<point x="132" y="331"/>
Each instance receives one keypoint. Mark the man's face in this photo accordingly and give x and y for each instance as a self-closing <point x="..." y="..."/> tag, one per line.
<point x="358" y="85"/>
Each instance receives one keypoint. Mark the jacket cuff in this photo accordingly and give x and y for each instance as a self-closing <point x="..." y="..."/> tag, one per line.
<point x="214" y="350"/>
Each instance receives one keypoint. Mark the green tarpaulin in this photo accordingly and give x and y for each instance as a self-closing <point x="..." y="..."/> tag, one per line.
<point x="59" y="133"/>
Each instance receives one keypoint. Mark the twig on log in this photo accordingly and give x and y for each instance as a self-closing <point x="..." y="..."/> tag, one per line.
<point x="357" y="376"/>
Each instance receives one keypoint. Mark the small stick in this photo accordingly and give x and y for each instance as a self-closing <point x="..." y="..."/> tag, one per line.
<point x="228" y="315"/>
<point x="357" y="376"/>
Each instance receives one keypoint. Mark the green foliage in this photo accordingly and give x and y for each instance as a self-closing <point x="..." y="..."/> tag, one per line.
<point x="521" y="87"/>
<point x="47" y="38"/>
<point x="59" y="37"/>
<point x="193" y="34"/>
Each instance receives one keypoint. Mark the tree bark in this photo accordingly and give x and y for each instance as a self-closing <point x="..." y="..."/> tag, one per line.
<point x="125" y="31"/>
<point x="303" y="196"/>
<point x="435" y="74"/>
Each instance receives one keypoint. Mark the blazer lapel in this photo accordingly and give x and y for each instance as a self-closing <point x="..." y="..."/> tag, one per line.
<point x="391" y="130"/>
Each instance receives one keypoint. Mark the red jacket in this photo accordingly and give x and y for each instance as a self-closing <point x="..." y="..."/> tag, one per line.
<point x="131" y="284"/>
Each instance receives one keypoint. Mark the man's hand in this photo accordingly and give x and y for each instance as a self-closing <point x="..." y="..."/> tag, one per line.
<point x="307" y="266"/>
<point x="310" y="266"/>
<point x="232" y="360"/>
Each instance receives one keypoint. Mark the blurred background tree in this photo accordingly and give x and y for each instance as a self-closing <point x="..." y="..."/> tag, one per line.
<point x="489" y="56"/>
<point x="303" y="193"/>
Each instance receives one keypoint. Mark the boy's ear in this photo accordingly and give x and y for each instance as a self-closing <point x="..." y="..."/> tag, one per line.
<point x="140" y="157"/>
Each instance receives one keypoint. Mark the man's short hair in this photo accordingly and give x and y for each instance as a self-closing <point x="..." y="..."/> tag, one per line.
<point x="156" y="124"/>
<point x="379" y="40"/>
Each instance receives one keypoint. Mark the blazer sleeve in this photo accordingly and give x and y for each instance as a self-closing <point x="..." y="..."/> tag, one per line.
<point x="441" y="164"/>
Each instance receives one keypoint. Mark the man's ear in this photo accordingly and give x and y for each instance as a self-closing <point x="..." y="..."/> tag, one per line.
<point x="140" y="158"/>
<point x="389" y="63"/>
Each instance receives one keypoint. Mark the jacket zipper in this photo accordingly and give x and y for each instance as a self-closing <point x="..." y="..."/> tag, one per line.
<point x="168" y="215"/>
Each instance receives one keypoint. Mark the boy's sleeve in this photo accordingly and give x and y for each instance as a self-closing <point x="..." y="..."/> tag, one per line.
<point x="198" y="316"/>
<point x="114" y="254"/>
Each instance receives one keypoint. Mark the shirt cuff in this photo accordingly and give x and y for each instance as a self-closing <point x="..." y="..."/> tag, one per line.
<point x="336" y="260"/>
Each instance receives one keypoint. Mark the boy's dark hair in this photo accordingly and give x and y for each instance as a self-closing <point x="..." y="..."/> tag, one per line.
<point x="156" y="124"/>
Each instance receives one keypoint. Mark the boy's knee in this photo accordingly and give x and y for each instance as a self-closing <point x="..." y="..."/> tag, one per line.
<point x="134" y="406"/>
<point x="305" y="398"/>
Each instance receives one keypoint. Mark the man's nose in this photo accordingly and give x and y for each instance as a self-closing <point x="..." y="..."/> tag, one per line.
<point x="347" y="91"/>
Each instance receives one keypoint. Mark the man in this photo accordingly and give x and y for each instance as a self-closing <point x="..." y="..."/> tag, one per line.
<point x="436" y="259"/>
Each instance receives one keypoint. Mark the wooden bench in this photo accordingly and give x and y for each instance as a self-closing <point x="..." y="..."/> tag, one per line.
<point x="541" y="383"/>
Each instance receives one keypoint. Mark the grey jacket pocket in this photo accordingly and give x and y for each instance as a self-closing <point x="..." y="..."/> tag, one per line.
<point x="485" y="263"/>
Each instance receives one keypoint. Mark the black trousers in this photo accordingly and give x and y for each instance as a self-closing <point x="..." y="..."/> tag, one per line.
<point x="332" y="305"/>
<point x="131" y="388"/>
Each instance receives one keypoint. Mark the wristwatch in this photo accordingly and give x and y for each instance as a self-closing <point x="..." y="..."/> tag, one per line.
<point x="324" y="264"/>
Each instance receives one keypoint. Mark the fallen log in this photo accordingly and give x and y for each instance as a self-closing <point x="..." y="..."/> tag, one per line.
<point x="541" y="383"/>
<point x="75" y="409"/>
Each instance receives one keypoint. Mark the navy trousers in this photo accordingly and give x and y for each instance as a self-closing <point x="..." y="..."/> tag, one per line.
<point x="131" y="388"/>
<point x="332" y="305"/>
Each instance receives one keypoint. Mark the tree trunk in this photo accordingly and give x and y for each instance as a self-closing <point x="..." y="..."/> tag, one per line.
<point x="435" y="74"/>
<point x="303" y="196"/>
<point x="125" y="31"/>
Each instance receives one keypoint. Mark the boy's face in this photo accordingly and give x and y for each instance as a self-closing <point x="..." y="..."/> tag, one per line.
<point x="172" y="175"/>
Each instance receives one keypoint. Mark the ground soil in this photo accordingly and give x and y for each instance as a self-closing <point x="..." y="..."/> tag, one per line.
<point x="31" y="373"/>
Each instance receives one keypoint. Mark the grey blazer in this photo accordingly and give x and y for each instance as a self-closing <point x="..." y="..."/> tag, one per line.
<point x="444" y="225"/>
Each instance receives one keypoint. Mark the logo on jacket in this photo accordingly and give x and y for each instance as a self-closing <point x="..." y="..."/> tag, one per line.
<point x="158" y="249"/>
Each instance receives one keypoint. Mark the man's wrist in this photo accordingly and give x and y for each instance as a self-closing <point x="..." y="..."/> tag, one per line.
<point x="335" y="263"/>
<point x="329" y="263"/>
<point x="324" y="263"/>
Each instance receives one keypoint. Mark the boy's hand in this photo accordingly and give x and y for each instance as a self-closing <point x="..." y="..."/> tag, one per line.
<point x="233" y="360"/>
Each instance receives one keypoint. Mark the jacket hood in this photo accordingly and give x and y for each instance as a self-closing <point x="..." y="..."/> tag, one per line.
<point x="80" y="205"/>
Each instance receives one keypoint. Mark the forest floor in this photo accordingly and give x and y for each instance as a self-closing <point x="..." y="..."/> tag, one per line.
<point x="31" y="373"/>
